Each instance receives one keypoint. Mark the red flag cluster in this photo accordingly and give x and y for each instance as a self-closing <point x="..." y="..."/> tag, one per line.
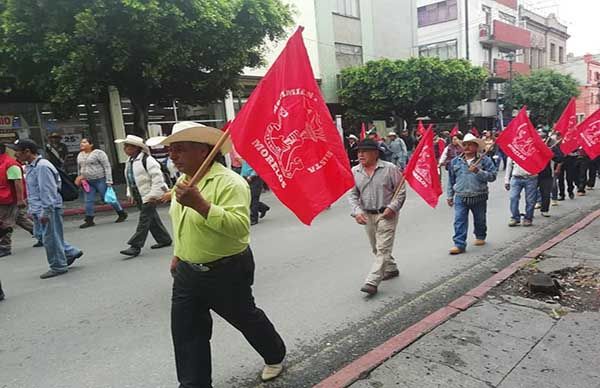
<point x="286" y="133"/>
<point x="521" y="142"/>
<point x="585" y="135"/>
<point x="422" y="173"/>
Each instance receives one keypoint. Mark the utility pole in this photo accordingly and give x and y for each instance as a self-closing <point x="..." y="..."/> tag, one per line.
<point x="467" y="56"/>
<point x="511" y="58"/>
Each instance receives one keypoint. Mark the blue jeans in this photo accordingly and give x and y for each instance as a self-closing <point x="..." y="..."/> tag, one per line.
<point x="97" y="186"/>
<point x="461" y="221"/>
<point x="57" y="249"/>
<point x="38" y="229"/>
<point x="517" y="184"/>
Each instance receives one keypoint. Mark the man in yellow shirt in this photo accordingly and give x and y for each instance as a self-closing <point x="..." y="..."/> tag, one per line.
<point x="213" y="266"/>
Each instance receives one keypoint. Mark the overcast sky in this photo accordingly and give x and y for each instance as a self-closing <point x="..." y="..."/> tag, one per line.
<point x="581" y="17"/>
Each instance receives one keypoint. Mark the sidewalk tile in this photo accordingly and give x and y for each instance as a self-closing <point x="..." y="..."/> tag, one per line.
<point x="406" y="371"/>
<point x="569" y="356"/>
<point x="506" y="318"/>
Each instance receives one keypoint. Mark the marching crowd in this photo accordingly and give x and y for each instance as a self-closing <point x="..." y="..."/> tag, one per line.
<point x="471" y="162"/>
<point x="212" y="264"/>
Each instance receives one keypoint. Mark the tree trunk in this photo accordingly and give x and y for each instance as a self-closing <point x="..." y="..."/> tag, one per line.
<point x="140" y="116"/>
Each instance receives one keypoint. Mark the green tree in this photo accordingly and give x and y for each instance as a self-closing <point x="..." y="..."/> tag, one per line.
<point x="66" y="51"/>
<point x="545" y="92"/>
<point x="411" y="88"/>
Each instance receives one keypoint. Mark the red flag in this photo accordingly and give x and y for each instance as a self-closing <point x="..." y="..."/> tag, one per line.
<point x="441" y="145"/>
<point x="475" y="132"/>
<point x="363" y="131"/>
<point x="430" y="126"/>
<point x="521" y="142"/>
<point x="422" y="172"/>
<point x="567" y="127"/>
<point x="454" y="131"/>
<point x="420" y="128"/>
<point x="286" y="133"/>
<point x="589" y="134"/>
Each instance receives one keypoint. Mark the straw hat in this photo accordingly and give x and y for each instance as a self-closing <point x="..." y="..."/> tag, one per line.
<point x="194" y="132"/>
<point x="134" y="141"/>
<point x="469" y="138"/>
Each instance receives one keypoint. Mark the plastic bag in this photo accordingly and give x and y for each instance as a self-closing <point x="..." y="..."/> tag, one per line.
<point x="110" y="196"/>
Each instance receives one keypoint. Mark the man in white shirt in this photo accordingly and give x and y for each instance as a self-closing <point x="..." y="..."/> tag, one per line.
<point x="516" y="180"/>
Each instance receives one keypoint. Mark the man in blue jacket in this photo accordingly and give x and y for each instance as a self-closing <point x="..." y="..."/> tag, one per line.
<point x="46" y="206"/>
<point x="469" y="175"/>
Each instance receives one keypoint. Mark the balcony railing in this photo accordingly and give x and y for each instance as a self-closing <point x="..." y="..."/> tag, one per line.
<point x="504" y="35"/>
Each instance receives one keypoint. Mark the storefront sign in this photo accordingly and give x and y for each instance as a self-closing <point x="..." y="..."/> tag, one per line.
<point x="6" y="122"/>
<point x="72" y="141"/>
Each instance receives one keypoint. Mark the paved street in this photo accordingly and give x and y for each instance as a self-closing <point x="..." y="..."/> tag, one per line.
<point x="106" y="323"/>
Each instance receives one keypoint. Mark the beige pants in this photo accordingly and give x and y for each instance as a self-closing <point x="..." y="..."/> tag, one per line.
<point x="381" y="234"/>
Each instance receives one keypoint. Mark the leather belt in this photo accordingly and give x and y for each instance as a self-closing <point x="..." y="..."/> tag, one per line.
<point x="205" y="267"/>
<point x="376" y="211"/>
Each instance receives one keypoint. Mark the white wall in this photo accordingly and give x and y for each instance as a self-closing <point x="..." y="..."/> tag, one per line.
<point x="304" y="16"/>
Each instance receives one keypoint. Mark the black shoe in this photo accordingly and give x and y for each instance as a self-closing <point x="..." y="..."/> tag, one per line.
<point x="51" y="274"/>
<point x="6" y="253"/>
<point x="253" y="222"/>
<point x="122" y="217"/>
<point x="571" y="196"/>
<point x="88" y="222"/>
<point x="160" y="245"/>
<point x="561" y="198"/>
<point x="71" y="260"/>
<point x="264" y="211"/>
<point x="1" y="292"/>
<point x="38" y="244"/>
<point x="131" y="251"/>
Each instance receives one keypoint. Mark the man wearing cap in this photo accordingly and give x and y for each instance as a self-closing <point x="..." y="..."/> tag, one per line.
<point x="352" y="150"/>
<point x="46" y="206"/>
<point x="145" y="188"/>
<point x="213" y="266"/>
<point x="398" y="149"/>
<point x="469" y="175"/>
<point x="376" y="204"/>
<point x="56" y="150"/>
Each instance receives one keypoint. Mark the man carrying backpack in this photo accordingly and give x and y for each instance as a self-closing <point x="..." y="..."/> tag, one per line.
<point x="46" y="206"/>
<point x="145" y="187"/>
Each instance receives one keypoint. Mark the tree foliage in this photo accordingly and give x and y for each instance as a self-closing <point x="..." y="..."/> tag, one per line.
<point x="68" y="50"/>
<point x="411" y="88"/>
<point x="545" y="92"/>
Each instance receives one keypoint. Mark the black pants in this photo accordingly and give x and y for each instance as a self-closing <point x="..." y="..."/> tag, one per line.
<point x="149" y="221"/>
<point x="545" y="186"/>
<point x="582" y="167"/>
<point x="256" y="207"/>
<point x="227" y="290"/>
<point x="593" y="167"/>
<point x="569" y="172"/>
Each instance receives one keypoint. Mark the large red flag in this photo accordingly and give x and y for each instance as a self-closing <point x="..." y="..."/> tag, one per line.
<point x="422" y="172"/>
<point x="420" y="128"/>
<point x="521" y="142"/>
<point x="363" y="131"/>
<point x="589" y="134"/>
<point x="454" y="131"/>
<point x="567" y="127"/>
<point x="286" y="133"/>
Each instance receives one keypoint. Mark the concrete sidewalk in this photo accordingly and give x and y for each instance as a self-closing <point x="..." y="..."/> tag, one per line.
<point x="77" y="207"/>
<point x="498" y="340"/>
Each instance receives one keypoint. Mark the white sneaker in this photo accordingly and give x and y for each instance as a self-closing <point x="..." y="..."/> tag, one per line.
<point x="545" y="214"/>
<point x="554" y="203"/>
<point x="538" y="205"/>
<point x="271" y="371"/>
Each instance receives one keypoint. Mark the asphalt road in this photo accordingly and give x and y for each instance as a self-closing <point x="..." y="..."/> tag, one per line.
<point x="106" y="323"/>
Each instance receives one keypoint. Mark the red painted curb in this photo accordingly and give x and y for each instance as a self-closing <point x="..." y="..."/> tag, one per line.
<point x="361" y="367"/>
<point x="98" y="209"/>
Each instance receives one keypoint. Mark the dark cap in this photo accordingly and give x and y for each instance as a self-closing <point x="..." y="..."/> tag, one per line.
<point x="368" y="144"/>
<point x="24" y="144"/>
<point x="55" y="134"/>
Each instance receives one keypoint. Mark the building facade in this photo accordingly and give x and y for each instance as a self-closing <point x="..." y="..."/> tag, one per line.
<point x="586" y="70"/>
<point x="548" y="39"/>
